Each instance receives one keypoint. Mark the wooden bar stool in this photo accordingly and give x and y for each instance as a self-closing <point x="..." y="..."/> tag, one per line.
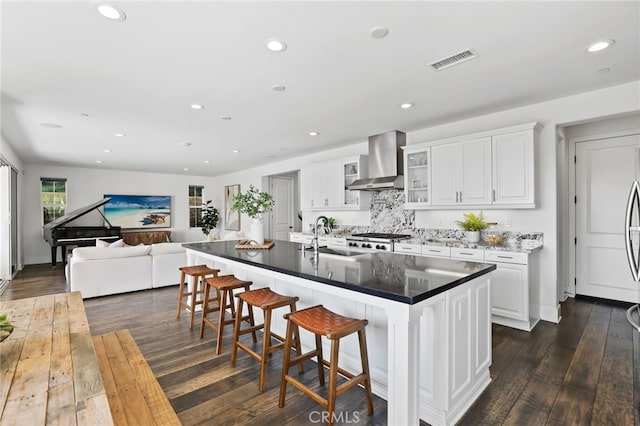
<point x="199" y="273"/>
<point x="322" y="322"/>
<point x="224" y="286"/>
<point x="266" y="300"/>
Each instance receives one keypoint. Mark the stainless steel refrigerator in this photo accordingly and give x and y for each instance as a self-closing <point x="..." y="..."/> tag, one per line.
<point x="632" y="244"/>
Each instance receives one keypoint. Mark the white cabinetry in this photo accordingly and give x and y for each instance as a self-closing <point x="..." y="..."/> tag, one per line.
<point x="515" y="284"/>
<point x="324" y="185"/>
<point x="417" y="178"/>
<point x="461" y="172"/>
<point x="488" y="169"/>
<point x="513" y="174"/>
<point x="515" y="289"/>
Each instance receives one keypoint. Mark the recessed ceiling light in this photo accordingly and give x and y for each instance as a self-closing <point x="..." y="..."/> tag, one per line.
<point x="225" y="117"/>
<point x="235" y="151"/>
<point x="196" y="106"/>
<point x="51" y="125"/>
<point x="186" y="169"/>
<point x="110" y="12"/>
<point x="185" y="144"/>
<point x="276" y="45"/>
<point x="313" y="133"/>
<point x="278" y="87"/>
<point x="120" y="135"/>
<point x="207" y="161"/>
<point x="407" y="105"/>
<point x="601" y="45"/>
<point x="106" y="150"/>
<point x="379" y="32"/>
<point x="99" y="161"/>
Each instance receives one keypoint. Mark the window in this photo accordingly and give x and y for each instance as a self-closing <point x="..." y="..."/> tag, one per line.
<point x="195" y="206"/>
<point x="53" y="198"/>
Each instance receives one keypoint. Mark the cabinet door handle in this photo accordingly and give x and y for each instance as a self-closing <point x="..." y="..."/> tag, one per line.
<point x="493" y="195"/>
<point x="505" y="257"/>
<point x="456" y="196"/>
<point x="460" y="196"/>
<point x="435" y="251"/>
<point x="467" y="254"/>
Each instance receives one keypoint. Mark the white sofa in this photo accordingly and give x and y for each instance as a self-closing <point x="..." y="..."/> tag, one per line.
<point x="100" y="271"/>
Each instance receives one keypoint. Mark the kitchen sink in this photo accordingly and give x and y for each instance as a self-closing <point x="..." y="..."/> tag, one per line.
<point x="335" y="253"/>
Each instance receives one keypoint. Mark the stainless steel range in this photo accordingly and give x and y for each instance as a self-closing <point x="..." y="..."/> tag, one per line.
<point x="374" y="241"/>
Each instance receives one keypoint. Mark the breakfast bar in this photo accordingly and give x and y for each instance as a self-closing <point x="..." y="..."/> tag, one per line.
<point x="429" y="319"/>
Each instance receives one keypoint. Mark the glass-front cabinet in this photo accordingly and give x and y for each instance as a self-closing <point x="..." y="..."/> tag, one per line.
<point x="417" y="177"/>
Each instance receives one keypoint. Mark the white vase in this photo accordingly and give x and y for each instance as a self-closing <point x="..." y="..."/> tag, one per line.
<point x="473" y="236"/>
<point x="257" y="231"/>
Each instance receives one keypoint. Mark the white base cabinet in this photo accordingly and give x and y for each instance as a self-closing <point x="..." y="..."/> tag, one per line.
<point x="515" y="284"/>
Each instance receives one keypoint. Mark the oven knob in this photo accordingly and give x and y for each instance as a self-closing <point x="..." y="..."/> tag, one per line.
<point x="378" y="246"/>
<point x="366" y="245"/>
<point x="383" y="248"/>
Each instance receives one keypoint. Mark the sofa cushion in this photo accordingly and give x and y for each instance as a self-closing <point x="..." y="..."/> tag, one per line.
<point x="166" y="248"/>
<point x="103" y="243"/>
<point x="89" y="253"/>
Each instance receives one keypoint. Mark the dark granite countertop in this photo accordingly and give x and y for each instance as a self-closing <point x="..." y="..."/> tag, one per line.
<point x="400" y="277"/>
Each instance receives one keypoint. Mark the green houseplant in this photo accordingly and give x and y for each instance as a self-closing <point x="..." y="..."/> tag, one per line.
<point x="473" y="224"/>
<point x="254" y="203"/>
<point x="209" y="219"/>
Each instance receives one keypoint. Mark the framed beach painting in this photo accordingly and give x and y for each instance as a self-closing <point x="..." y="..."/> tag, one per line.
<point x="231" y="217"/>
<point x="138" y="211"/>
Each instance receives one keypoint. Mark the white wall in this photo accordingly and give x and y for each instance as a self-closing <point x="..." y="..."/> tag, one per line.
<point x="85" y="186"/>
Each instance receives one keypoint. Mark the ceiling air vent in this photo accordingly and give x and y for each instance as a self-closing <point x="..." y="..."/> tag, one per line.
<point x="454" y="60"/>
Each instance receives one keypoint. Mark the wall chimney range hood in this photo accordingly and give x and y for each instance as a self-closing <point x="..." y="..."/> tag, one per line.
<point x="385" y="163"/>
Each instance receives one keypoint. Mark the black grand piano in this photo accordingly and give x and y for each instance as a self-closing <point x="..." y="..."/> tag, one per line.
<point x="57" y="234"/>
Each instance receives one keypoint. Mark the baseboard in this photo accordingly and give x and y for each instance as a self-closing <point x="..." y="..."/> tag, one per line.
<point x="550" y="314"/>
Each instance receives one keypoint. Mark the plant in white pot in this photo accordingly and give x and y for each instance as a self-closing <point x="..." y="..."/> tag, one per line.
<point x="473" y="224"/>
<point x="254" y="203"/>
<point x="209" y="221"/>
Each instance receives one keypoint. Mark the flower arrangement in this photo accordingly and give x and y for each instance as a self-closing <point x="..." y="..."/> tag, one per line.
<point x="473" y="222"/>
<point x="253" y="202"/>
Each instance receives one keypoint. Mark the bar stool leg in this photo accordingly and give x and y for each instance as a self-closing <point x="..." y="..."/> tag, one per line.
<point x="296" y="340"/>
<point x="236" y="332"/>
<point x="333" y="379"/>
<point x="320" y="359"/>
<point x="194" y="293"/>
<point x="225" y="294"/>
<point x="205" y="308"/>
<point x="365" y="369"/>
<point x="180" y="293"/>
<point x="266" y="345"/>
<point x="285" y="363"/>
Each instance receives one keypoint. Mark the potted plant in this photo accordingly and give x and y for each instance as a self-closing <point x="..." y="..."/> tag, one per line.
<point x="254" y="203"/>
<point x="473" y="224"/>
<point x="329" y="224"/>
<point x="5" y="327"/>
<point x="209" y="219"/>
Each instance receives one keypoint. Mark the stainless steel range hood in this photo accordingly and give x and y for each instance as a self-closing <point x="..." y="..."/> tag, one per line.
<point x="385" y="163"/>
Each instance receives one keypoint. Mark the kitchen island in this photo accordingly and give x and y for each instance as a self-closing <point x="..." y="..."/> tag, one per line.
<point x="429" y="319"/>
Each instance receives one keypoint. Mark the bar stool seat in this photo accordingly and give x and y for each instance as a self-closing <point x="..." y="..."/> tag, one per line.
<point x="223" y="286"/>
<point x="199" y="273"/>
<point x="267" y="300"/>
<point x="322" y="322"/>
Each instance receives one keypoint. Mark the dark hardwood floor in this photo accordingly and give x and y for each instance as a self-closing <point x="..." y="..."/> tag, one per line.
<point x="584" y="370"/>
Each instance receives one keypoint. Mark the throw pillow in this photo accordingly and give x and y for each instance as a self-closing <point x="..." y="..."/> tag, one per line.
<point x="119" y="243"/>
<point x="101" y="243"/>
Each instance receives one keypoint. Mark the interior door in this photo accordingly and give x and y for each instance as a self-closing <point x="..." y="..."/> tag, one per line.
<point x="605" y="170"/>
<point x="282" y="217"/>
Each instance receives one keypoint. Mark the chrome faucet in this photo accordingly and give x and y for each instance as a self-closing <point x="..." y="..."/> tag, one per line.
<point x="314" y="242"/>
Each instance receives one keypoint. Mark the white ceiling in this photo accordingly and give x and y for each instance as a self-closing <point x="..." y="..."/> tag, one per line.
<point x="61" y="60"/>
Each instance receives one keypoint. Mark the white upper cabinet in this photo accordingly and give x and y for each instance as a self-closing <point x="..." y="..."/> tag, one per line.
<point x="323" y="186"/>
<point x="513" y="174"/>
<point x="417" y="177"/>
<point x="461" y="173"/>
<point x="489" y="169"/>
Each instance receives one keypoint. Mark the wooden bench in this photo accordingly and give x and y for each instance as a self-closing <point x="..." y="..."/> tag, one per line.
<point x="134" y="394"/>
